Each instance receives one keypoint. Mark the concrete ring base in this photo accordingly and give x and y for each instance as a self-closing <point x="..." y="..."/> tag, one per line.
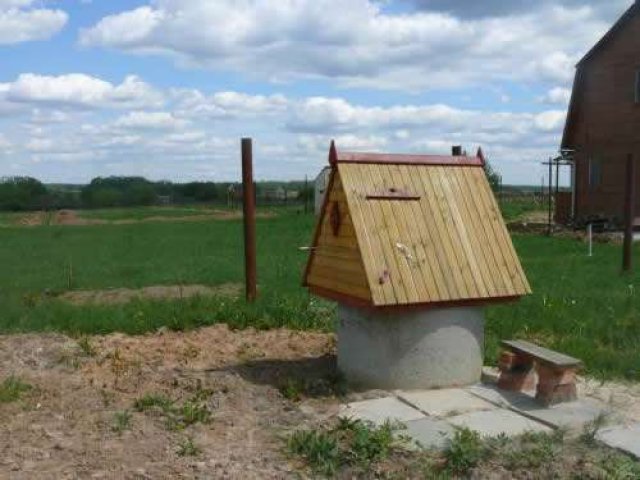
<point x="435" y="348"/>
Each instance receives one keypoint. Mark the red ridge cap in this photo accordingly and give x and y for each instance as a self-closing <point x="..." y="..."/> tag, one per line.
<point x="394" y="159"/>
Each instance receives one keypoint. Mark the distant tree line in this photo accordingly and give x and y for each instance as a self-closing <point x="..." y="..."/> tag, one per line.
<point x="26" y="193"/>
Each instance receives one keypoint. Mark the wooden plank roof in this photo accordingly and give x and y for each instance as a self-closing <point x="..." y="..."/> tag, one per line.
<point x="436" y="237"/>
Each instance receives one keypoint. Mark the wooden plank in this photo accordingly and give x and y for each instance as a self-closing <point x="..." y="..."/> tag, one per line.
<point x="493" y="254"/>
<point x="382" y="236"/>
<point x="470" y="220"/>
<point x="540" y="353"/>
<point x="457" y="269"/>
<point x="393" y="236"/>
<point x="317" y="279"/>
<point x="493" y="220"/>
<point x="342" y="265"/>
<point x="431" y="268"/>
<point x="466" y="251"/>
<point x="512" y="262"/>
<point x="438" y="238"/>
<point x="410" y="234"/>
<point x="337" y="263"/>
<point x="372" y="255"/>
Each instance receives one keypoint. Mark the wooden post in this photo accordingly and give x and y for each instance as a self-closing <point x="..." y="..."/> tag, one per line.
<point x="550" y="194"/>
<point x="306" y="194"/>
<point x="249" y="209"/>
<point x="629" y="213"/>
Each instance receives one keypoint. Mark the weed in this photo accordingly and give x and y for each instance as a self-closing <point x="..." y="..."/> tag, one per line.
<point x="319" y="449"/>
<point x="194" y="413"/>
<point x="85" y="346"/>
<point x="12" y="388"/>
<point x="368" y="445"/>
<point x="152" y="400"/>
<point x="177" y="417"/>
<point x="351" y="443"/>
<point x="464" y="451"/>
<point x="619" y="467"/>
<point x="292" y="389"/>
<point x="533" y="451"/>
<point x="187" y="448"/>
<point x="121" y="421"/>
<point x="591" y="429"/>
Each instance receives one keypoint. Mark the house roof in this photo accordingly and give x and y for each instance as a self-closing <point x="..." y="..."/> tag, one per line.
<point x="428" y="230"/>
<point x="596" y="49"/>
<point x="613" y="31"/>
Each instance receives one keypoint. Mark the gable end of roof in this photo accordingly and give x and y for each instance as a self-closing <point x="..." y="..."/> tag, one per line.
<point x="613" y="31"/>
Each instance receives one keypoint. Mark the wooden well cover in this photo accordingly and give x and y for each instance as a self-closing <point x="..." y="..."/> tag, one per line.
<point x="405" y="230"/>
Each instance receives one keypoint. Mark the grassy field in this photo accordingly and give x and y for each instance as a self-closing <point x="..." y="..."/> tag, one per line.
<point x="580" y="305"/>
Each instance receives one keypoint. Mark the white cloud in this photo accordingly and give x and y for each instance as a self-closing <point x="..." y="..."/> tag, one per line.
<point x="19" y="23"/>
<point x="79" y="90"/>
<point x="362" y="45"/>
<point x="196" y="135"/>
<point x="150" y="121"/>
<point x="550" y="121"/>
<point x="557" y="96"/>
<point x="228" y="104"/>
<point x="4" y="143"/>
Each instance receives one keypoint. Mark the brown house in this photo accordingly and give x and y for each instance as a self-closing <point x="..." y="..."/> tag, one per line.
<point x="603" y="123"/>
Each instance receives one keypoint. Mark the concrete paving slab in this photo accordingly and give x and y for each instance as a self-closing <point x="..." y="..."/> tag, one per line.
<point x="444" y="403"/>
<point x="503" y="398"/>
<point x="380" y="410"/>
<point x="492" y="423"/>
<point x="572" y="415"/>
<point x="429" y="433"/>
<point x="625" y="438"/>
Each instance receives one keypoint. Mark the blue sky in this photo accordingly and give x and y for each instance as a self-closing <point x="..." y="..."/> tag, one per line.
<point x="166" y="88"/>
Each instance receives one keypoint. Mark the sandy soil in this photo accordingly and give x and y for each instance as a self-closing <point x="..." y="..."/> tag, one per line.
<point x="63" y="427"/>
<point x="118" y="296"/>
<point x="71" y="217"/>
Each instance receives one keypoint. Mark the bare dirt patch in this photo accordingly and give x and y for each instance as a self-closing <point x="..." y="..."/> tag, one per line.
<point x="79" y="418"/>
<point x="117" y="296"/>
<point x="72" y="218"/>
<point x="65" y="426"/>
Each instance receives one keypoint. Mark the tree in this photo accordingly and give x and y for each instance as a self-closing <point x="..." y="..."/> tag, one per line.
<point x="22" y="193"/>
<point x="495" y="179"/>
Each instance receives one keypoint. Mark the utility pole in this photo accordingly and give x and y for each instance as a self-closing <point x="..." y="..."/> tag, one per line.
<point x="249" y="210"/>
<point x="629" y="213"/>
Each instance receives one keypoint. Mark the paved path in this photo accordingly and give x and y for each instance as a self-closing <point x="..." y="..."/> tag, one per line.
<point x="431" y="416"/>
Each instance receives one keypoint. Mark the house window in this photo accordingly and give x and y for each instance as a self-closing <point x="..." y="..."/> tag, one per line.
<point x="595" y="173"/>
<point x="637" y="86"/>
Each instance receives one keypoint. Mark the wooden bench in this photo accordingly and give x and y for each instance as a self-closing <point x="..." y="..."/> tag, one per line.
<point x="521" y="360"/>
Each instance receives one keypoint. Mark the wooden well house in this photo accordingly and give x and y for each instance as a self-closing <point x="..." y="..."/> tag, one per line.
<point x="407" y="245"/>
<point x="399" y="230"/>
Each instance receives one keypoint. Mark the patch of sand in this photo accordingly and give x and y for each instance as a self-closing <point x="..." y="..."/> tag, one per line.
<point x="118" y="296"/>
<point x="63" y="427"/>
<point x="71" y="217"/>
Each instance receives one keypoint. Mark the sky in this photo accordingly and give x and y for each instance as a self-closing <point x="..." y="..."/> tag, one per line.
<point x="166" y="88"/>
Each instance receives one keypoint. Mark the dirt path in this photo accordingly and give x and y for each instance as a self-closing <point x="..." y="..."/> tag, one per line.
<point x="64" y="426"/>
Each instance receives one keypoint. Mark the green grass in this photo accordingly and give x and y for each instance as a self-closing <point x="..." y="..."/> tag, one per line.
<point x="12" y="388"/>
<point x="514" y="208"/>
<point x="121" y="421"/>
<point x="582" y="306"/>
<point x="351" y="443"/>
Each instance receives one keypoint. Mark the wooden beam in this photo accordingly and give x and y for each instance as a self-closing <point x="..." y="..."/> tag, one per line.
<point x="249" y="205"/>
<point x="630" y="199"/>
